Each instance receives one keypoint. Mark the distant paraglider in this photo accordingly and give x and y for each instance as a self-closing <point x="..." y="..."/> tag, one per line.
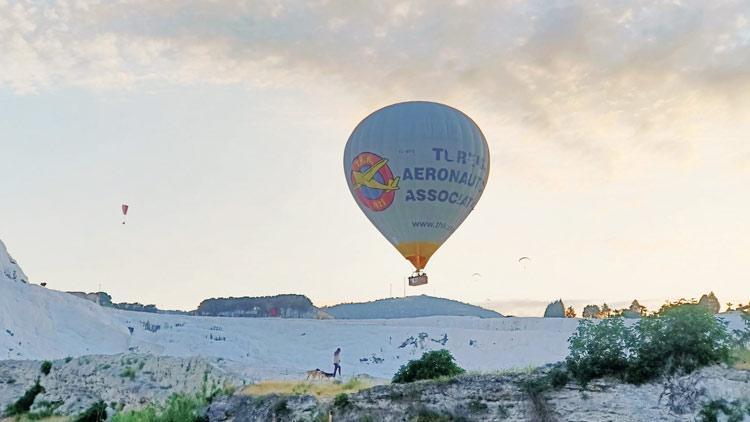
<point x="417" y="169"/>
<point x="476" y="276"/>
<point x="523" y="260"/>
<point x="124" y="212"/>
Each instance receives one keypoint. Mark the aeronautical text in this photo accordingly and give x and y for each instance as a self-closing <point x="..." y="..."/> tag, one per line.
<point x="471" y="173"/>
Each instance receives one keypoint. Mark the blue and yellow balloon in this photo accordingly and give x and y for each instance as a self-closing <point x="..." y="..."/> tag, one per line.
<point x="417" y="169"/>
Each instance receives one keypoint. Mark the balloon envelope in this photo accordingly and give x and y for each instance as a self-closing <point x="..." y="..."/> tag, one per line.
<point x="416" y="170"/>
<point x="124" y="209"/>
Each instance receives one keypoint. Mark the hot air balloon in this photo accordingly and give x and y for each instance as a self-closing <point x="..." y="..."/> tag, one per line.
<point x="124" y="212"/>
<point x="417" y="169"/>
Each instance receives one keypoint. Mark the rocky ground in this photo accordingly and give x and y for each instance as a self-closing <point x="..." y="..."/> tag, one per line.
<point x="133" y="380"/>
<point x="125" y="381"/>
<point x="503" y="397"/>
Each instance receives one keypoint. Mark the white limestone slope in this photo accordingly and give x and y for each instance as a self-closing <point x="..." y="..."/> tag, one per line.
<point x="40" y="323"/>
<point x="9" y="269"/>
<point x="37" y="322"/>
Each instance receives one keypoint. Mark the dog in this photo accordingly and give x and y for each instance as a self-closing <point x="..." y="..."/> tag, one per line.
<point x="318" y="374"/>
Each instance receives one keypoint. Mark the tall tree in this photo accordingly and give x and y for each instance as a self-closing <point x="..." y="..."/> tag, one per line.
<point x="570" y="312"/>
<point x="591" y="311"/>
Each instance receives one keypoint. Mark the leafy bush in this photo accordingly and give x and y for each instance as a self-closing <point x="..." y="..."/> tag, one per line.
<point x="734" y="411"/>
<point x="535" y="385"/>
<point x="23" y="404"/>
<point x="675" y="304"/>
<point x="341" y="400"/>
<point x="558" y="377"/>
<point x="97" y="412"/>
<point x="178" y="408"/>
<point x="743" y="336"/>
<point x="682" y="338"/>
<point x="434" y="364"/>
<point x="147" y="414"/>
<point x="424" y="414"/>
<point x="128" y="372"/>
<point x="44" y="410"/>
<point x="599" y="349"/>
<point x="46" y="367"/>
<point x="281" y="408"/>
<point x="477" y="406"/>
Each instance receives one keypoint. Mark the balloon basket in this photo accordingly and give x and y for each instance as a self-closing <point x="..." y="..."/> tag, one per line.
<point x="417" y="279"/>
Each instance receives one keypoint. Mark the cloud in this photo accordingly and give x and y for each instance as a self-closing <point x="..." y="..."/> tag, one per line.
<point x="603" y="81"/>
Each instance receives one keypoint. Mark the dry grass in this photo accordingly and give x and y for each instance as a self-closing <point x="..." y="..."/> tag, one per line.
<point x="742" y="359"/>
<point x="315" y="388"/>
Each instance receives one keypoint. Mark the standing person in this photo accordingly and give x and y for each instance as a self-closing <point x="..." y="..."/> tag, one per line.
<point x="337" y="361"/>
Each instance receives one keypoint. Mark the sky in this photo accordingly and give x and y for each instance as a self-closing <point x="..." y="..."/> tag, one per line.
<point x="618" y="133"/>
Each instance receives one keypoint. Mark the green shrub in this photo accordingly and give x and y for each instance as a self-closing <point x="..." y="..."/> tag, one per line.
<point x="675" y="304"/>
<point x="44" y="410"/>
<point x="23" y="404"/>
<point x="732" y="411"/>
<point x="128" y="372"/>
<point x="97" y="412"/>
<point x="183" y="408"/>
<point x="558" y="377"/>
<point x="147" y="414"/>
<point x="426" y="415"/>
<point x="281" y="408"/>
<point x="341" y="401"/>
<point x="743" y="336"/>
<point x="599" y="349"/>
<point x="535" y="386"/>
<point x="178" y="408"/>
<point x="477" y="406"/>
<point x="46" y="367"/>
<point x="682" y="338"/>
<point x="431" y="365"/>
